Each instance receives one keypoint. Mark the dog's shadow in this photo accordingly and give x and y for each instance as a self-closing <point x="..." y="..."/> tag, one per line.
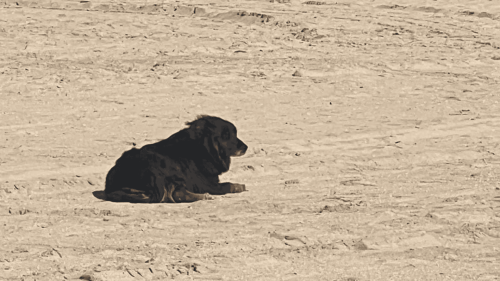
<point x="99" y="194"/>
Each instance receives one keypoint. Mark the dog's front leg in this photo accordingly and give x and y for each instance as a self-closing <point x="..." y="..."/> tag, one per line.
<point x="229" y="187"/>
<point x="184" y="195"/>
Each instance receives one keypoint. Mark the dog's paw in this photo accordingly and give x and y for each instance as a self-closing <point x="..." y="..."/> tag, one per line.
<point x="236" y="188"/>
<point x="207" y="196"/>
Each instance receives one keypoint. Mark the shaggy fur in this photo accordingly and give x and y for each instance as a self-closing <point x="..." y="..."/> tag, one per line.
<point x="182" y="168"/>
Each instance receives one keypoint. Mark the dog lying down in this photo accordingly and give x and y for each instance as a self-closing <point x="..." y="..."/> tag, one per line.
<point x="183" y="168"/>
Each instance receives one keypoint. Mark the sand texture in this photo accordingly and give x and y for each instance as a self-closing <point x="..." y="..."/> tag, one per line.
<point x="373" y="129"/>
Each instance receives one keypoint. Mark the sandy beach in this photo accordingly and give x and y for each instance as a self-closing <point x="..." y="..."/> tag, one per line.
<point x="373" y="129"/>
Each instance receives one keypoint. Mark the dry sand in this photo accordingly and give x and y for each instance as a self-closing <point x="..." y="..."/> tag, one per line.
<point x="372" y="126"/>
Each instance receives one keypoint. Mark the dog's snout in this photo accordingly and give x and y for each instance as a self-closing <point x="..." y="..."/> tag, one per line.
<point x="241" y="148"/>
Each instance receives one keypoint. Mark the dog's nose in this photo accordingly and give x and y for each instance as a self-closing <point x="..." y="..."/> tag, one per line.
<point x="242" y="148"/>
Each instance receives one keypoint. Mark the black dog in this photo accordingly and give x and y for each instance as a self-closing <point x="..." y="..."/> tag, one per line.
<point x="183" y="168"/>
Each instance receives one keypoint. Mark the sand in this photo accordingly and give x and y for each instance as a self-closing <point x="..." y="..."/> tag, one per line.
<point x="372" y="128"/>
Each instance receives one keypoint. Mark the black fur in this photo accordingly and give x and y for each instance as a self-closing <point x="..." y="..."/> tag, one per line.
<point x="182" y="168"/>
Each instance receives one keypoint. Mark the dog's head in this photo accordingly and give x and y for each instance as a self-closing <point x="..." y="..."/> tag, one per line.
<point x="219" y="137"/>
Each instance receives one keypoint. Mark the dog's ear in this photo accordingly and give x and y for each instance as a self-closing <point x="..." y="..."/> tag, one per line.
<point x="208" y="130"/>
<point x="220" y="157"/>
<point x="224" y="157"/>
<point x="223" y="153"/>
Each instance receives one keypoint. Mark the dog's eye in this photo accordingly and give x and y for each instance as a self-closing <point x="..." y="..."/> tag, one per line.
<point x="225" y="133"/>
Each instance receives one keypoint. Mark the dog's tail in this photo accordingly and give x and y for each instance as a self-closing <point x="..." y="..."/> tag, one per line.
<point x="126" y="194"/>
